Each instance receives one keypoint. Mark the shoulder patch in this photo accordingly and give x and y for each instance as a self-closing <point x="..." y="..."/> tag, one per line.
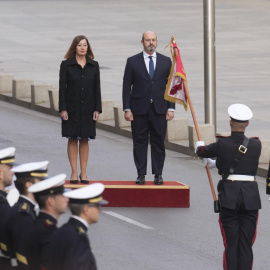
<point x="48" y="223"/>
<point x="81" y="231"/>
<point x="25" y="207"/>
<point x="255" y="138"/>
<point x="220" y="136"/>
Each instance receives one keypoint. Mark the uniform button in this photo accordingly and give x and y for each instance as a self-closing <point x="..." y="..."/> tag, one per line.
<point x="152" y="82"/>
<point x="82" y="88"/>
<point x="82" y="101"/>
<point x="82" y="76"/>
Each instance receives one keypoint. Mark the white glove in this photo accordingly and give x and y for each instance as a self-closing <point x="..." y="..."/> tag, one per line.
<point x="199" y="143"/>
<point x="210" y="162"/>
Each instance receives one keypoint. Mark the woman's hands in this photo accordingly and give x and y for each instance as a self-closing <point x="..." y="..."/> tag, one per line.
<point x="95" y="115"/>
<point x="64" y="115"/>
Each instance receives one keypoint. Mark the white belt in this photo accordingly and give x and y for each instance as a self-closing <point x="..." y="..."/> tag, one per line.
<point x="240" y="177"/>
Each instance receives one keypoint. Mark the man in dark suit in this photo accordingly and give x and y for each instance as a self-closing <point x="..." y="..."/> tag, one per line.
<point x="144" y="85"/>
<point x="238" y="191"/>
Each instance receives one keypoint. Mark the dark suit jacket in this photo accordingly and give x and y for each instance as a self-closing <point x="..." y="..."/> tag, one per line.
<point x="138" y="86"/>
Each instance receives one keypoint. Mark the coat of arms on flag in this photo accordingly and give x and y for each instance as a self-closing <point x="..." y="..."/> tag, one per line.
<point x="177" y="81"/>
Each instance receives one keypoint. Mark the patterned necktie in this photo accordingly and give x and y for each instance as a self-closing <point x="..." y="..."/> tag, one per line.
<point x="151" y="67"/>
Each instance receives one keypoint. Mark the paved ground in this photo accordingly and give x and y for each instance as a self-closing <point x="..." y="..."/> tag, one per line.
<point x="177" y="239"/>
<point x="35" y="35"/>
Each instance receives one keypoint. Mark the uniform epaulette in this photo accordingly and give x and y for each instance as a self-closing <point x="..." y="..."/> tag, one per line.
<point x="268" y="185"/>
<point x="48" y="223"/>
<point x="25" y="207"/>
<point x="255" y="138"/>
<point x="81" y="231"/>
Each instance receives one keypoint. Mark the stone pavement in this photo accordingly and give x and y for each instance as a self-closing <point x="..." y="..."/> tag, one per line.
<point x="35" y="35"/>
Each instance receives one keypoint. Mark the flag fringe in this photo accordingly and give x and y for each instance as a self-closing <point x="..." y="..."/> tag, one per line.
<point x="166" y="94"/>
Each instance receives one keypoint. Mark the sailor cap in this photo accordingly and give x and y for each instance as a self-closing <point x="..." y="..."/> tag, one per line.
<point x="50" y="186"/>
<point x="240" y="112"/>
<point x="91" y="194"/>
<point x="7" y="156"/>
<point x="32" y="169"/>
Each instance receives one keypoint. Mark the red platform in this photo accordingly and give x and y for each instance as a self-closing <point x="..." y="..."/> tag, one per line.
<point x="128" y="194"/>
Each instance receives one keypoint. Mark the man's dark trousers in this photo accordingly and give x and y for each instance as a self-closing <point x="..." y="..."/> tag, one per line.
<point x="238" y="227"/>
<point x="143" y="125"/>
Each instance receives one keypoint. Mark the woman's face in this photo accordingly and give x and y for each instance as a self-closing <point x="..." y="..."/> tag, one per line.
<point x="81" y="48"/>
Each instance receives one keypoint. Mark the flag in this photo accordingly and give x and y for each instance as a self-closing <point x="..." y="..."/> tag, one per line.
<point x="177" y="81"/>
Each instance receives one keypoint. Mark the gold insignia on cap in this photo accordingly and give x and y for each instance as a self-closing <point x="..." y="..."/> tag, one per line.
<point x="7" y="161"/>
<point x="21" y="258"/>
<point x="51" y="191"/>
<point x="95" y="200"/>
<point x="38" y="174"/>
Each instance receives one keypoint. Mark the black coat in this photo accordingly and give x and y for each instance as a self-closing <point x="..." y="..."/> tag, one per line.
<point x="138" y="86"/>
<point x="80" y="96"/>
<point x="225" y="150"/>
<point x="70" y="248"/>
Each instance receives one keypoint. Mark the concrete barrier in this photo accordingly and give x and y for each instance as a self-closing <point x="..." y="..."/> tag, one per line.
<point x="54" y="99"/>
<point x="39" y="93"/>
<point x="120" y="121"/>
<point x="107" y="110"/>
<point x="177" y="130"/>
<point x="207" y="133"/>
<point x="21" y="88"/>
<point x="6" y="83"/>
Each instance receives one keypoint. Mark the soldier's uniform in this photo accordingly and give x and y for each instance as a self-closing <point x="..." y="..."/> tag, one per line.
<point x="239" y="196"/>
<point x="44" y="226"/>
<point x="7" y="157"/>
<point x="70" y="247"/>
<point x="22" y="214"/>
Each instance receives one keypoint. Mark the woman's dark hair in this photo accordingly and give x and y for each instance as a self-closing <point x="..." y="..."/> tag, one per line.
<point x="72" y="49"/>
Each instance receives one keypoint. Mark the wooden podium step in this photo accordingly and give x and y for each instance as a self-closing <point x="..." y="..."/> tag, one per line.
<point x="128" y="194"/>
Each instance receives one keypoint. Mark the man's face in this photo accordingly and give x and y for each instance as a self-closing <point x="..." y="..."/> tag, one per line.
<point x="150" y="42"/>
<point x="93" y="214"/>
<point x="61" y="204"/>
<point x="6" y="175"/>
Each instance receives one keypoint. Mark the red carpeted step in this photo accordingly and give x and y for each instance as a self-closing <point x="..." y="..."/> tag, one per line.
<point x="128" y="194"/>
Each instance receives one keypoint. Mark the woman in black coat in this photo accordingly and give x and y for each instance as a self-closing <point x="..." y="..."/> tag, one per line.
<point x="79" y="102"/>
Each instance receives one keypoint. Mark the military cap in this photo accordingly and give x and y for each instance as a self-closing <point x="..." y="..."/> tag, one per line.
<point x="50" y="186"/>
<point x="33" y="169"/>
<point x="91" y="194"/>
<point x="240" y="113"/>
<point x="7" y="156"/>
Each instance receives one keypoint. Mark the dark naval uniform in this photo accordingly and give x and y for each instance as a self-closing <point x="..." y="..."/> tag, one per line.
<point x="37" y="238"/>
<point x="4" y="209"/>
<point x="70" y="248"/>
<point x="268" y="181"/>
<point x="240" y="200"/>
<point x="20" y="218"/>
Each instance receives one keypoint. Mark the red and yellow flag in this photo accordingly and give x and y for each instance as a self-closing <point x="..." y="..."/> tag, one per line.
<point x="177" y="81"/>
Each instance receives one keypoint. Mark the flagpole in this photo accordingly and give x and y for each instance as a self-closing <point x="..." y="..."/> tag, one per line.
<point x="199" y="137"/>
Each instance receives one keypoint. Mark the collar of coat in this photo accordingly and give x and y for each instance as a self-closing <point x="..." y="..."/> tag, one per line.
<point x="73" y="61"/>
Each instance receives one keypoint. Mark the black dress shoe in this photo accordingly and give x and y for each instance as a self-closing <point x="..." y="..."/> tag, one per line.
<point x="158" y="180"/>
<point x="140" y="179"/>
<point x="84" y="181"/>
<point x="74" y="181"/>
